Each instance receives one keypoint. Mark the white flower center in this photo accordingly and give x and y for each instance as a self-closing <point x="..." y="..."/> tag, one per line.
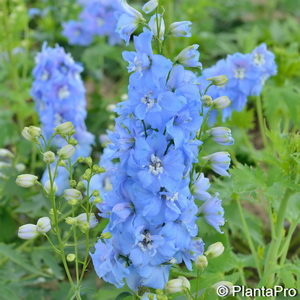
<point x="172" y="198"/>
<point x="148" y="100"/>
<point x="63" y="93"/>
<point x="239" y="73"/>
<point x="45" y="75"/>
<point x="155" y="166"/>
<point x="259" y="59"/>
<point x="146" y="241"/>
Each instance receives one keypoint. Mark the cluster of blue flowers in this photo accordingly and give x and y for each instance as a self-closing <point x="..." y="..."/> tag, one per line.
<point x="98" y="18"/>
<point x="246" y="74"/>
<point x="149" y="162"/>
<point x="59" y="95"/>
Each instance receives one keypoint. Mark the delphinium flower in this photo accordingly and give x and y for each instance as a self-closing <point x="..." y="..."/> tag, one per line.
<point x="149" y="163"/>
<point x="97" y="18"/>
<point x="246" y="75"/>
<point x="59" y="95"/>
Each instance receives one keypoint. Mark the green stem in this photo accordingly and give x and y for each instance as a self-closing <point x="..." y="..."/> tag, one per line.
<point x="248" y="236"/>
<point x="260" y="117"/>
<point x="271" y="259"/>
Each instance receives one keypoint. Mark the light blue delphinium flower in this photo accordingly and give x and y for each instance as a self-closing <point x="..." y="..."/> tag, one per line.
<point x="219" y="162"/>
<point x="129" y="21"/>
<point x="97" y="18"/>
<point x="221" y="135"/>
<point x="213" y="212"/>
<point x="181" y="29"/>
<point x="149" y="162"/>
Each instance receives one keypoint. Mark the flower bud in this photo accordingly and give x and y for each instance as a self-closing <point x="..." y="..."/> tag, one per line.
<point x="6" y="153"/>
<point x="98" y="170"/>
<point x="157" y="25"/>
<point x="49" y="157"/>
<point x="89" y="161"/>
<point x="105" y="235"/>
<point x="62" y="164"/>
<point x="72" y="183"/>
<point x="20" y="167"/>
<point x="31" y="133"/>
<point x="221" y="102"/>
<point x="80" y="186"/>
<point x="189" y="57"/>
<point x="43" y="225"/>
<point x="87" y="174"/>
<point x="150" y="6"/>
<point x="47" y="187"/>
<point x="71" y="257"/>
<point x="65" y="129"/>
<point x="73" y="142"/>
<point x="201" y="262"/>
<point x="70" y="220"/>
<point x="95" y="193"/>
<point x="221" y="135"/>
<point x="26" y="180"/>
<point x="73" y="196"/>
<point x="181" y="29"/>
<point x="66" y="152"/>
<point x="220" y="80"/>
<point x="98" y="200"/>
<point x="215" y="250"/>
<point x="28" y="232"/>
<point x="83" y="218"/>
<point x="177" y="285"/>
<point x="207" y="100"/>
<point x="219" y="162"/>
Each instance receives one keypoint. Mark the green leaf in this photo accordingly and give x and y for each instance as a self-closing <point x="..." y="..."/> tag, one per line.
<point x="123" y="296"/>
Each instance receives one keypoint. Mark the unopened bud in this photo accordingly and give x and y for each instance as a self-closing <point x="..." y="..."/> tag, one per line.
<point x="70" y="220"/>
<point x="220" y="80"/>
<point x="207" y="100"/>
<point x="73" y="142"/>
<point x="221" y="102"/>
<point x="43" y="225"/>
<point x="6" y="153"/>
<point x="105" y="235"/>
<point x="65" y="129"/>
<point x="83" y="218"/>
<point x="66" y="152"/>
<point x="48" y="189"/>
<point x="32" y="133"/>
<point x="98" y="170"/>
<point x="73" y="196"/>
<point x="49" y="157"/>
<point x="72" y="183"/>
<point x="201" y="262"/>
<point x="177" y="285"/>
<point x="71" y="257"/>
<point x="26" y="180"/>
<point x="28" y="232"/>
<point x="150" y="6"/>
<point x="80" y="186"/>
<point x="98" y="200"/>
<point x="215" y="250"/>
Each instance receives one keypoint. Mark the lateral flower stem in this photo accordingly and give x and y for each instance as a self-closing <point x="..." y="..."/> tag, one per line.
<point x="248" y="236"/>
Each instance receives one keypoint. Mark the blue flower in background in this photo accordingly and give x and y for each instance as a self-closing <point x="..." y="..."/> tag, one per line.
<point x="97" y="18"/>
<point x="59" y="94"/>
<point x="246" y="74"/>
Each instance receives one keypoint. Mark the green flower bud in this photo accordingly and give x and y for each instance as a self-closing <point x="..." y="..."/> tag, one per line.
<point x="32" y="133"/>
<point x="26" y="180"/>
<point x="177" y="285"/>
<point x="72" y="183"/>
<point x="207" y="100"/>
<point x="43" y="225"/>
<point x="72" y="195"/>
<point x="71" y="221"/>
<point x="73" y="142"/>
<point x="98" y="170"/>
<point x="66" y="152"/>
<point x="95" y="193"/>
<point x="80" y="186"/>
<point x="105" y="235"/>
<point x="201" y="262"/>
<point x="47" y="187"/>
<point x="89" y="161"/>
<point x="87" y="174"/>
<point x="215" y="250"/>
<point x="98" y="200"/>
<point x="220" y="80"/>
<point x="71" y="257"/>
<point x="221" y="102"/>
<point x="49" y="157"/>
<point x="65" y="129"/>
